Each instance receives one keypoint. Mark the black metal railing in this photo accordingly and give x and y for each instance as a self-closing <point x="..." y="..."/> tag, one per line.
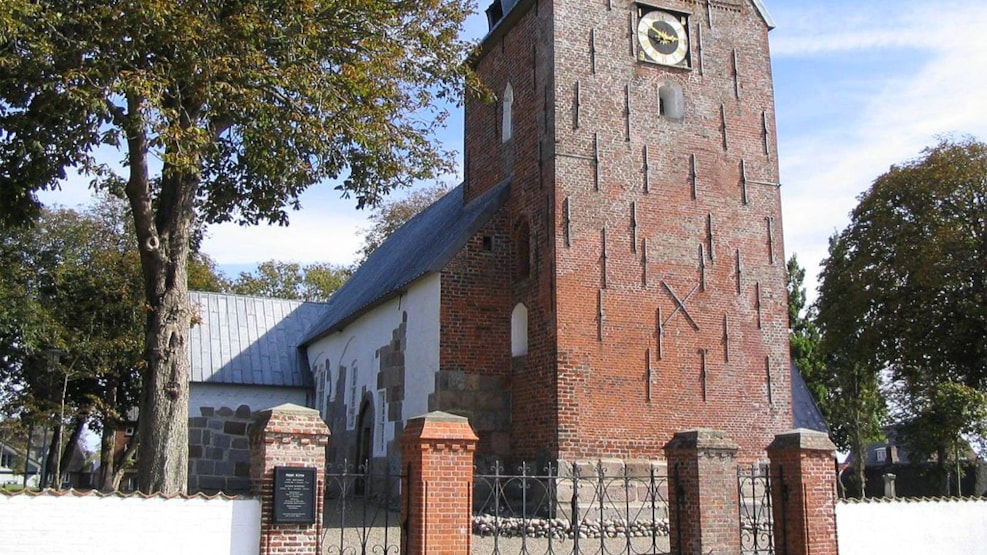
<point x="592" y="508"/>
<point x="756" y="521"/>
<point x="361" y="512"/>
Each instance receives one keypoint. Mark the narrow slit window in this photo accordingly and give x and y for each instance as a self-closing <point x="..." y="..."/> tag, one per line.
<point x="507" y="125"/>
<point x="522" y="242"/>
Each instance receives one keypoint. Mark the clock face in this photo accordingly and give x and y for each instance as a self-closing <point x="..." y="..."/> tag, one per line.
<point x="663" y="39"/>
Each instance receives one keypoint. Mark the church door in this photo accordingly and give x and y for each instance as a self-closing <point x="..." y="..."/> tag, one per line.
<point x="364" y="444"/>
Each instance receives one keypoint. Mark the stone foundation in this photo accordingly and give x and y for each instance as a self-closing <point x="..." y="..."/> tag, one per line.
<point x="219" y="450"/>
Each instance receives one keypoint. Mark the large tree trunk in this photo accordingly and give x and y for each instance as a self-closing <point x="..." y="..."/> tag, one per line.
<point x="66" y="457"/>
<point x="942" y="470"/>
<point x="107" y="443"/>
<point x="163" y="227"/>
<point x="163" y="463"/>
<point x="107" y="459"/>
<point x="859" y="451"/>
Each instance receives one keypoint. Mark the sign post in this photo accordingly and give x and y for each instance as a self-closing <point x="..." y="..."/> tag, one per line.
<point x="294" y="495"/>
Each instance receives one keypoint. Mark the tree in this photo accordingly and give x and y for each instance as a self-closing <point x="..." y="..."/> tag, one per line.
<point x="939" y="420"/>
<point x="75" y="358"/>
<point x="290" y="280"/>
<point x="75" y="281"/>
<point x="854" y="403"/>
<point x="223" y="111"/>
<point x="905" y="289"/>
<point x="389" y="216"/>
<point x="804" y="337"/>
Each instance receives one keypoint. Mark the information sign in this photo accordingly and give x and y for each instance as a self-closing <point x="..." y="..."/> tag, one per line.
<point x="294" y="495"/>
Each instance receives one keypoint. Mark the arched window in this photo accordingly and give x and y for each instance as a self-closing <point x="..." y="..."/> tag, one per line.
<point x="519" y="330"/>
<point x="507" y="127"/>
<point x="671" y="104"/>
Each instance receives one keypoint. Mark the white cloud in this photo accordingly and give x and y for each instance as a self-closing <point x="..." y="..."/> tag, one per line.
<point x="825" y="164"/>
<point x="941" y="93"/>
<point x="833" y="27"/>
<point x="313" y="236"/>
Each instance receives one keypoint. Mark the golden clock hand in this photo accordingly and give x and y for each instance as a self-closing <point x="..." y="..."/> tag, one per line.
<point x="662" y="36"/>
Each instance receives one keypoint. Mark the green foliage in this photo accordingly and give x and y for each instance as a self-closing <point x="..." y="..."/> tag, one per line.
<point x="289" y="280"/>
<point x="72" y="282"/>
<point x="388" y="217"/>
<point x="804" y="336"/>
<point x="941" y="418"/>
<point x="221" y="111"/>
<point x="903" y="295"/>
<point x="257" y="100"/>
<point x="855" y="405"/>
<point x="77" y="276"/>
<point x="203" y="275"/>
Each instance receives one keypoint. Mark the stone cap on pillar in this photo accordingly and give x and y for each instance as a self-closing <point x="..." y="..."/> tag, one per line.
<point x="291" y="418"/>
<point x="802" y="439"/>
<point x="702" y="439"/>
<point x="439" y="425"/>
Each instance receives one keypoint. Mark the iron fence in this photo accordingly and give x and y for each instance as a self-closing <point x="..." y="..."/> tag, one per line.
<point x="361" y="512"/>
<point x="756" y="521"/>
<point x="599" y="508"/>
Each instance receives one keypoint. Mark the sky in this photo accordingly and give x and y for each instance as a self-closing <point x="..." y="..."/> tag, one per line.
<point x="859" y="86"/>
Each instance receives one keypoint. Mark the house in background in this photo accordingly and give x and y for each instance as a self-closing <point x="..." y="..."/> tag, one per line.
<point x="892" y="470"/>
<point x="12" y="467"/>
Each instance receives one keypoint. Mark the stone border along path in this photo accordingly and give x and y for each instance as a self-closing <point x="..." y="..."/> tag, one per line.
<point x="509" y="541"/>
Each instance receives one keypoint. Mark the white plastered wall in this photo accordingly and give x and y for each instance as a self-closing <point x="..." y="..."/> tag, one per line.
<point x="356" y="346"/>
<point x="74" y="524"/>
<point x="232" y="396"/>
<point x="912" y="527"/>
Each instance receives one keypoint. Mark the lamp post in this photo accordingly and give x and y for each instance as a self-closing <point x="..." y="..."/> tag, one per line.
<point x="54" y="355"/>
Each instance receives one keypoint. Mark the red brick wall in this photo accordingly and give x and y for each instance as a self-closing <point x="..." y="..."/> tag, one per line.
<point x="293" y="436"/>
<point x="475" y="304"/>
<point x="584" y="390"/>
<point x="521" y="53"/>
<point x="804" y="486"/>
<point x="703" y="495"/>
<point x="475" y="327"/>
<point x="437" y="454"/>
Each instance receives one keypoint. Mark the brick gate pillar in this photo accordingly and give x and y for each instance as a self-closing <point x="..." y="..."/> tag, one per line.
<point x="294" y="437"/>
<point x="702" y="493"/>
<point x="803" y="493"/>
<point x="437" y="455"/>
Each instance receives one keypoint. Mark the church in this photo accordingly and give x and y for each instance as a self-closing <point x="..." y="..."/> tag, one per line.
<point x="610" y="271"/>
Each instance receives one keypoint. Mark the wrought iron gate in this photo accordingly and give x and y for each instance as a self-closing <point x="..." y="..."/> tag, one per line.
<point x="361" y="511"/>
<point x="581" y="509"/>
<point x="756" y="524"/>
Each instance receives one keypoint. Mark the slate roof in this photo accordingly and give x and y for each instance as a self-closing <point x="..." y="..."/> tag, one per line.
<point x="805" y="412"/>
<point x="763" y="10"/>
<point x="246" y="340"/>
<point x="425" y="244"/>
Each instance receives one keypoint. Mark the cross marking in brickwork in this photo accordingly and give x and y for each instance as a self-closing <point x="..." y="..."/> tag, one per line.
<point x="680" y="305"/>
<point x="661" y="335"/>
<point x="703" y="353"/>
<point x="726" y="339"/>
<point x="650" y="375"/>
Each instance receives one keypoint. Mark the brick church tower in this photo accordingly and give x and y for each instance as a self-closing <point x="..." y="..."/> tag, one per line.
<point x="645" y="222"/>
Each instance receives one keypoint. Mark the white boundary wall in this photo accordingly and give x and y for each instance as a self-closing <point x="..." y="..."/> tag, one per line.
<point x="82" y="524"/>
<point x="912" y="526"/>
